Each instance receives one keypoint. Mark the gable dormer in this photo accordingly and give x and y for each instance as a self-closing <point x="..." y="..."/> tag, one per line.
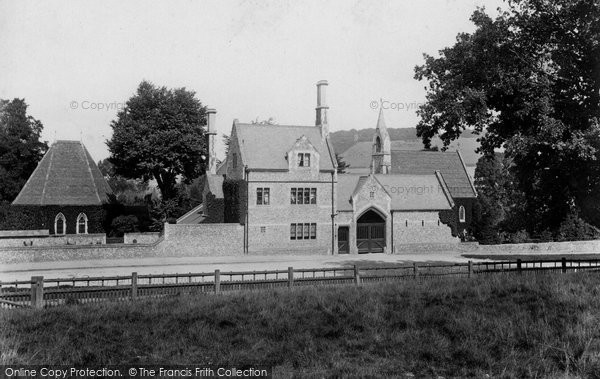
<point x="303" y="157"/>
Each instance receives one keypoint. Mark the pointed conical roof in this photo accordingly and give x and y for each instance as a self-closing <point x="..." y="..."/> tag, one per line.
<point x="66" y="175"/>
<point x="381" y="121"/>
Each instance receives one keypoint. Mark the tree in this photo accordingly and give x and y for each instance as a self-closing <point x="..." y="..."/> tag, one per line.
<point x="20" y="147"/>
<point x="126" y="191"/>
<point x="269" y="121"/>
<point x="159" y="135"/>
<point x="526" y="81"/>
<point x="226" y="142"/>
<point x="341" y="164"/>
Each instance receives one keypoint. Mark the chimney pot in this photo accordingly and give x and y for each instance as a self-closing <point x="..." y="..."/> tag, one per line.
<point x="322" y="107"/>
<point x="210" y="120"/>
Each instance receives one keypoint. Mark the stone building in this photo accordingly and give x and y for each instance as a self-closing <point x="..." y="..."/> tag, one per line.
<point x="66" y="191"/>
<point x="290" y="198"/>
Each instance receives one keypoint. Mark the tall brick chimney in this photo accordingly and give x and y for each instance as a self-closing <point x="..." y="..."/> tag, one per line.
<point x="322" y="108"/>
<point x="211" y="132"/>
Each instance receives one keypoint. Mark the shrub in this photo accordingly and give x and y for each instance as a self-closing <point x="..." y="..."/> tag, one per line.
<point x="574" y="228"/>
<point x="124" y="224"/>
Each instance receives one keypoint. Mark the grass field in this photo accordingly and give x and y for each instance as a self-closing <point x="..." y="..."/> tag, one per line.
<point x="500" y="325"/>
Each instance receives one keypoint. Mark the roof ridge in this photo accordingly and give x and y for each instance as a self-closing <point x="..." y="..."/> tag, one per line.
<point x="462" y="163"/>
<point x="47" y="174"/>
<point x="89" y="169"/>
<point x="277" y="125"/>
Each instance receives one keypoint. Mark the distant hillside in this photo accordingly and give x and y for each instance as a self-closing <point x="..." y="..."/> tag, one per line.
<point x="344" y="139"/>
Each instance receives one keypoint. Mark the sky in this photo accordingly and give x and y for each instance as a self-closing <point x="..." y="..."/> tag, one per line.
<point x="77" y="62"/>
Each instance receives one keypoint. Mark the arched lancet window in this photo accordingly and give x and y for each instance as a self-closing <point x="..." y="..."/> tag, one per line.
<point x="378" y="145"/>
<point x="461" y="214"/>
<point x="82" y="224"/>
<point x="60" y="224"/>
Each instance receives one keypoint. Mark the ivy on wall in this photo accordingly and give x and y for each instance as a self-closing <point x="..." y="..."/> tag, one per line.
<point x="235" y="197"/>
<point x="32" y="217"/>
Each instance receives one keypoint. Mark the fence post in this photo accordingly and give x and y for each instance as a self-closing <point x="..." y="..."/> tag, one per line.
<point x="563" y="262"/>
<point x="37" y="292"/>
<point x="519" y="266"/>
<point x="415" y="270"/>
<point x="217" y="281"/>
<point x="356" y="275"/>
<point x="134" y="285"/>
<point x="470" y="268"/>
<point x="290" y="277"/>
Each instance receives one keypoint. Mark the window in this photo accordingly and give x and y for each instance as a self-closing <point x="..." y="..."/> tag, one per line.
<point x="378" y="145"/>
<point x="372" y="195"/>
<point x="234" y="160"/>
<point x="263" y="229"/>
<point x="303" y="196"/>
<point x="263" y="196"/>
<point x="82" y="224"/>
<point x="306" y="230"/>
<point x="304" y="159"/>
<point x="461" y="214"/>
<point x="313" y="195"/>
<point x="60" y="224"/>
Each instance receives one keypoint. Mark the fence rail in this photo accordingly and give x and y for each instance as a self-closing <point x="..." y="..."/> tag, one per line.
<point x="40" y="292"/>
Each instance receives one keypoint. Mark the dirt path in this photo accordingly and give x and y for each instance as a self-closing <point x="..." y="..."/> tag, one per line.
<point x="110" y="267"/>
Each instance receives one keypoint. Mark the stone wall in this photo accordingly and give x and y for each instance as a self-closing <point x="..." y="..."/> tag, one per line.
<point x="567" y="247"/>
<point x="420" y="227"/>
<point x="69" y="239"/>
<point x="178" y="241"/>
<point x="201" y="240"/>
<point x="144" y="238"/>
<point x="269" y="225"/>
<point x="24" y="233"/>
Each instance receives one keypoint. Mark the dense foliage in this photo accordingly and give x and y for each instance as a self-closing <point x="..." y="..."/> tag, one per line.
<point x="20" y="147"/>
<point x="527" y="81"/>
<point x="159" y="135"/>
<point x="234" y="193"/>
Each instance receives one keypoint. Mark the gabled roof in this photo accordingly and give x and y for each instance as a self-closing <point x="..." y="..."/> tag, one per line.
<point x="195" y="216"/>
<point x="264" y="147"/>
<point x="407" y="192"/>
<point x="222" y="167"/>
<point x="66" y="175"/>
<point x="346" y="185"/>
<point x="358" y="156"/>
<point x="450" y="164"/>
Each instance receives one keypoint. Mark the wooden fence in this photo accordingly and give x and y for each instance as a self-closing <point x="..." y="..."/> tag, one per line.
<point x="40" y="292"/>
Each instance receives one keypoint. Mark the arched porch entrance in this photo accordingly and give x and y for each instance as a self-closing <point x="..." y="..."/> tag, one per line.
<point x="370" y="233"/>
